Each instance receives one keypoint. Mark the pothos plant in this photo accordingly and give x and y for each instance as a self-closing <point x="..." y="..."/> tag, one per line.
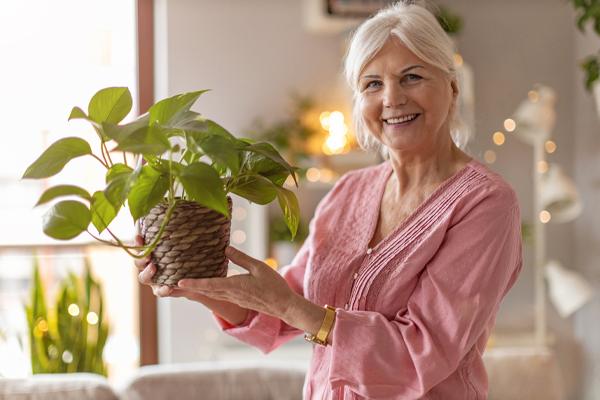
<point x="187" y="158"/>
<point x="589" y="11"/>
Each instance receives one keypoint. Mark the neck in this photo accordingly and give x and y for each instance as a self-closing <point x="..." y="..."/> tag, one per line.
<point x="419" y="171"/>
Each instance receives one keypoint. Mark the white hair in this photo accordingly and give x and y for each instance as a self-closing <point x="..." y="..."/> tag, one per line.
<point x="418" y="29"/>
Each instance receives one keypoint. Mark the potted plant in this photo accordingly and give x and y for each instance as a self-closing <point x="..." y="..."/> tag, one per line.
<point x="177" y="190"/>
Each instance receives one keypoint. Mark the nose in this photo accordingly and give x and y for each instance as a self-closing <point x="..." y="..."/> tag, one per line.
<point x="394" y="96"/>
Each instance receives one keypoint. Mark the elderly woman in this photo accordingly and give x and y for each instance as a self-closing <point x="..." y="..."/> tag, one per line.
<point x="400" y="279"/>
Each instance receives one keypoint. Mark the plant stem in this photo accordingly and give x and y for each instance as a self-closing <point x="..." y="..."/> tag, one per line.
<point x="100" y="160"/>
<point x="125" y="158"/>
<point x="107" y="154"/>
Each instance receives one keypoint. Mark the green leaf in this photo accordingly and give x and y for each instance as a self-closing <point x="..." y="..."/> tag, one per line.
<point x="119" y="178"/>
<point x="118" y="133"/>
<point x="222" y="151"/>
<point x="53" y="160"/>
<point x="259" y="164"/>
<point x="146" y="140"/>
<point x="77" y="113"/>
<point x="267" y="150"/>
<point x="291" y="211"/>
<point x="61" y="191"/>
<point x="147" y="191"/>
<point x="102" y="211"/>
<point x="202" y="184"/>
<point x="255" y="188"/>
<point x="118" y="171"/>
<point x="110" y="105"/>
<point x="167" y="110"/>
<point x="66" y="220"/>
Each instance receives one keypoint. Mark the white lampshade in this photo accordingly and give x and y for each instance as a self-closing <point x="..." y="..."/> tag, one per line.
<point x="559" y="195"/>
<point x="535" y="117"/>
<point x="568" y="290"/>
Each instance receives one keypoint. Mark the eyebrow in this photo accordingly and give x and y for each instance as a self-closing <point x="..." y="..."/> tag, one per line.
<point x="401" y="72"/>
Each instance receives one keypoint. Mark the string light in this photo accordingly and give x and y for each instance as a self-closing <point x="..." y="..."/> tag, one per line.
<point x="542" y="167"/>
<point x="498" y="138"/>
<point x="73" y="310"/>
<point x="458" y="60"/>
<point x="489" y="156"/>
<point x="92" y="318"/>
<point x="67" y="357"/>
<point x="510" y="125"/>
<point x="327" y="175"/>
<point x="313" y="174"/>
<point x="533" y="95"/>
<point x="336" y="142"/>
<point x="550" y="146"/>
<point x="545" y="216"/>
<point x="238" y="236"/>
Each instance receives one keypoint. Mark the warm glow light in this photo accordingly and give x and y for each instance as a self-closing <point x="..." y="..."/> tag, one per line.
<point x="73" y="310"/>
<point x="92" y="318"/>
<point x="336" y="143"/>
<point x="238" y="236"/>
<point x="534" y="96"/>
<point x="327" y="175"/>
<point x="458" y="60"/>
<point x="489" y="156"/>
<point x="239" y="213"/>
<point x="542" y="167"/>
<point x="337" y="140"/>
<point x="510" y="125"/>
<point x="499" y="138"/>
<point x="550" y="146"/>
<point x="42" y="325"/>
<point x="271" y="262"/>
<point x="67" y="357"/>
<point x="545" y="216"/>
<point x="313" y="174"/>
<point x="324" y="119"/>
<point x="289" y="181"/>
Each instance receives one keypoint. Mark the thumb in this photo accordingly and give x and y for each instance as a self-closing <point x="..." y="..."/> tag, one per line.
<point x="242" y="259"/>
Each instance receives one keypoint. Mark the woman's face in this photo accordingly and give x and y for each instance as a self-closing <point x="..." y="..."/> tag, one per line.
<point x="404" y="102"/>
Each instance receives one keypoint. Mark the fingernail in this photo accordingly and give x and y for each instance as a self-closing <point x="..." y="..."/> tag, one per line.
<point x="182" y="283"/>
<point x="229" y="251"/>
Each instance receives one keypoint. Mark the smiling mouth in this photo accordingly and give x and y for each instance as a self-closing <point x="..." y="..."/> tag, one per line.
<point x="403" y="120"/>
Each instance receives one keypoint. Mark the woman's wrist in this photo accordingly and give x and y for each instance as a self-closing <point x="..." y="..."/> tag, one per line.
<point x="304" y="315"/>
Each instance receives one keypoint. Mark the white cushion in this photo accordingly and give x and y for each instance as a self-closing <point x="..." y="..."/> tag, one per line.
<point x="77" y="386"/>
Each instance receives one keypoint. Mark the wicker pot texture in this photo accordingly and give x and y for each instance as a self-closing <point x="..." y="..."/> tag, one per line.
<point x="193" y="242"/>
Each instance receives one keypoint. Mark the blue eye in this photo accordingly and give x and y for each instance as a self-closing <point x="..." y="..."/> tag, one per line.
<point x="372" y="84"/>
<point x="412" y="77"/>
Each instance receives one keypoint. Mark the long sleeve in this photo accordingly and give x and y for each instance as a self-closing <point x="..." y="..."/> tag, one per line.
<point x="453" y="304"/>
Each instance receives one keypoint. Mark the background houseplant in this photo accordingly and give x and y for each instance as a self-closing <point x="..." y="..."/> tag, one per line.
<point x="179" y="193"/>
<point x="589" y="11"/>
<point x="69" y="337"/>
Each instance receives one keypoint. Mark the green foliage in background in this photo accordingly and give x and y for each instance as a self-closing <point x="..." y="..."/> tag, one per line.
<point x="588" y="12"/>
<point x="184" y="153"/>
<point x="450" y="22"/>
<point x="60" y="341"/>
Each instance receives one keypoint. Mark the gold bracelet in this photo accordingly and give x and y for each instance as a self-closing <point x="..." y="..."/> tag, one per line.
<point x="321" y="336"/>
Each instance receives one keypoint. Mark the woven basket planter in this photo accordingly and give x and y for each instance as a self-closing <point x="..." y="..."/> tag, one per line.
<point x="193" y="242"/>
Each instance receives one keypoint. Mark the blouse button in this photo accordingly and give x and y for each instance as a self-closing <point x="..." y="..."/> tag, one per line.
<point x="346" y="306"/>
<point x="369" y="250"/>
<point x="355" y="275"/>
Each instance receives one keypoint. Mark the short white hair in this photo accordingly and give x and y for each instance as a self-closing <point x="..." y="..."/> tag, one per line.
<point x="418" y="29"/>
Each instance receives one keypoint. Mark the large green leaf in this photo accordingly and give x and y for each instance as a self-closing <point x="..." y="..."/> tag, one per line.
<point x="147" y="191"/>
<point x="167" y="110"/>
<point x="255" y="188"/>
<point x="259" y="164"/>
<point x="102" y="211"/>
<point x="118" y="133"/>
<point x="61" y="191"/>
<point x="267" y="150"/>
<point x="202" y="184"/>
<point x="120" y="178"/>
<point x="291" y="211"/>
<point x="53" y="160"/>
<point x="145" y="140"/>
<point x="222" y="151"/>
<point x="110" y="105"/>
<point x="66" y="220"/>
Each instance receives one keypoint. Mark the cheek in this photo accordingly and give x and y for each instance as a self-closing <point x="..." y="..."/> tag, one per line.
<point x="369" y="110"/>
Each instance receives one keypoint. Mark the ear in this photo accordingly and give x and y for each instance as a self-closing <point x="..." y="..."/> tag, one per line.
<point x="454" y="87"/>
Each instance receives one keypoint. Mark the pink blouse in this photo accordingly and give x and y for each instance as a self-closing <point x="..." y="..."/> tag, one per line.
<point x="414" y="312"/>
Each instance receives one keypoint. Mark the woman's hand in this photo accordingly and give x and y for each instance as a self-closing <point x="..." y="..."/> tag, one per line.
<point x="230" y="312"/>
<point x="262" y="289"/>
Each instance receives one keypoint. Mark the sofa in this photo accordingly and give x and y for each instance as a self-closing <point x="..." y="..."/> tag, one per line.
<point x="514" y="374"/>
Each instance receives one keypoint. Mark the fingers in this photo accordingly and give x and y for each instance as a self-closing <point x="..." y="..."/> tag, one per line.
<point x="145" y="277"/>
<point x="244" y="260"/>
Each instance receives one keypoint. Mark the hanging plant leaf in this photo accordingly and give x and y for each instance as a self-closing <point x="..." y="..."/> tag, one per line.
<point x="62" y="191"/>
<point x="102" y="211"/>
<point x="290" y="208"/>
<point x="167" y="110"/>
<point x="54" y="159"/>
<point x="255" y="188"/>
<point x="145" y="140"/>
<point x="110" y="105"/>
<point x="66" y="220"/>
<point x="202" y="184"/>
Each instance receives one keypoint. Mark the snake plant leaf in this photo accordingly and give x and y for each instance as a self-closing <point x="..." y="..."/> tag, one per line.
<point x="291" y="210"/>
<point x="147" y="191"/>
<point x="110" y="105"/>
<point x="61" y="191"/>
<point x="66" y="220"/>
<point x="103" y="212"/>
<point x="172" y="108"/>
<point x="202" y="184"/>
<point x="255" y="188"/>
<point x="145" y="140"/>
<point x="54" y="159"/>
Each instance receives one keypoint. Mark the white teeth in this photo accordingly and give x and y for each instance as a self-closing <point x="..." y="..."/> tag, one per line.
<point x="399" y="120"/>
